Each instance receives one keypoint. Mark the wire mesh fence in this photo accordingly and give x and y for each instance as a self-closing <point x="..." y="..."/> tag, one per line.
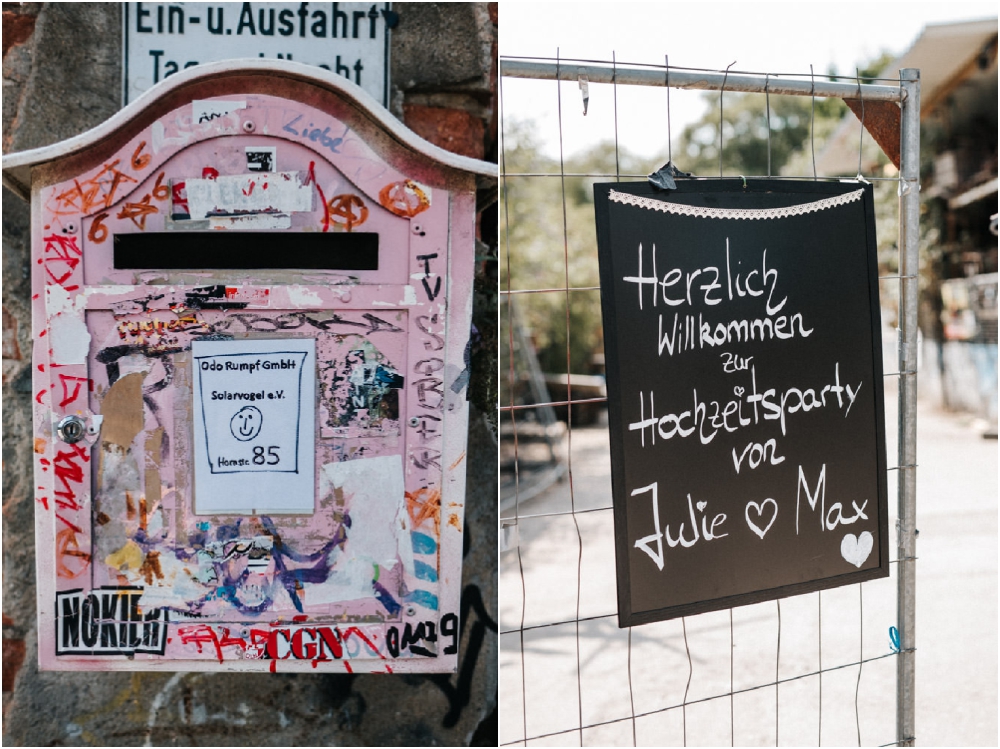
<point x="822" y="668"/>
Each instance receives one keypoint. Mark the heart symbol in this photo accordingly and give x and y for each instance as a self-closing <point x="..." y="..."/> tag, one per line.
<point x="759" y="508"/>
<point x="738" y="390"/>
<point x="856" y="550"/>
<point x="702" y="505"/>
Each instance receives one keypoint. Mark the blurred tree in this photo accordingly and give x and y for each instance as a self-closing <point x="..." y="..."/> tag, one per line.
<point x="748" y="120"/>
<point x="744" y="135"/>
<point x="745" y="132"/>
<point x="548" y="241"/>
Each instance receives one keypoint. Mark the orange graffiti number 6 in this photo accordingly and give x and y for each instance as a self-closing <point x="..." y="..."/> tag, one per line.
<point x="98" y="231"/>
<point x="141" y="160"/>
<point x="160" y="190"/>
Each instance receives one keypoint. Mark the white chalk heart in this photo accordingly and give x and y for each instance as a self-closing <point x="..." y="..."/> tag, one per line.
<point x="738" y="390"/>
<point x="759" y="508"/>
<point x="702" y="505"/>
<point x="856" y="550"/>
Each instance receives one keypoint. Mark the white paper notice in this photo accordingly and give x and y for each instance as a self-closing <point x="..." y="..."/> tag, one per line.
<point x="254" y="426"/>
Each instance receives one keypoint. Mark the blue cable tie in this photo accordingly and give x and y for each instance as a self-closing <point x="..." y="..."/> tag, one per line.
<point x="894" y="639"/>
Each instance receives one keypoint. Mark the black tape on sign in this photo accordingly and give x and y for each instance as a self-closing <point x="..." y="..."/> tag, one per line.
<point x="229" y="250"/>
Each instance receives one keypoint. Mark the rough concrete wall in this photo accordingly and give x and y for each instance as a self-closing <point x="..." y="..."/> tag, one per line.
<point x="61" y="76"/>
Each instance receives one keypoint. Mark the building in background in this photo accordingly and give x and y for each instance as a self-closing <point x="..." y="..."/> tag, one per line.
<point x="958" y="105"/>
<point x="62" y="74"/>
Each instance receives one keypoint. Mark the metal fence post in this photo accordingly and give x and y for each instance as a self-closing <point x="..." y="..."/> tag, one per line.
<point x="909" y="239"/>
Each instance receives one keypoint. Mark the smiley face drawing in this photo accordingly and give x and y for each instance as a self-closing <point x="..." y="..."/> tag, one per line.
<point x="246" y="423"/>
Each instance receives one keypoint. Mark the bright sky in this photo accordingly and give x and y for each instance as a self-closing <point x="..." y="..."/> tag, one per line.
<point x="775" y="37"/>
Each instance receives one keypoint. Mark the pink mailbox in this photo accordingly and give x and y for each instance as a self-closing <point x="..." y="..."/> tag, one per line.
<point x="252" y="292"/>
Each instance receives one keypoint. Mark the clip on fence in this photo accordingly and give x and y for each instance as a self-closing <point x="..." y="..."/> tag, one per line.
<point x="894" y="639"/>
<point x="663" y="178"/>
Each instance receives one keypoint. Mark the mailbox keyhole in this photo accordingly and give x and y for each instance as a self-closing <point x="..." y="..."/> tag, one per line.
<point x="71" y="429"/>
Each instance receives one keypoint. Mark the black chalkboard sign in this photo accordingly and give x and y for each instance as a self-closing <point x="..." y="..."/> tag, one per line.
<point x="744" y="362"/>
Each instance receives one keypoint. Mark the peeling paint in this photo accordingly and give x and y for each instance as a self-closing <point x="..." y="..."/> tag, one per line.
<point x="150" y="569"/>
<point x="254" y="222"/>
<point x="69" y="336"/>
<point x="380" y="525"/>
<point x="303" y="296"/>
<point x="154" y="448"/>
<point x="128" y="557"/>
<point x="107" y="290"/>
<point x="117" y="478"/>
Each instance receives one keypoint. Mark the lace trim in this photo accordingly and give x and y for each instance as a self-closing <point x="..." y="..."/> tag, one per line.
<point x="752" y="214"/>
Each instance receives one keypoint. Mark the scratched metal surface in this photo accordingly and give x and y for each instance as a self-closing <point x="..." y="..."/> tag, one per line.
<point x="130" y="578"/>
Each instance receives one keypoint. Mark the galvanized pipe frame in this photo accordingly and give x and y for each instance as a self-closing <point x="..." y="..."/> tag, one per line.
<point x="907" y="93"/>
<point x="698" y="80"/>
<point x="906" y="532"/>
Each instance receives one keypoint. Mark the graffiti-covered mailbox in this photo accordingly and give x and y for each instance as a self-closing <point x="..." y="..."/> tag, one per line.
<point x="252" y="292"/>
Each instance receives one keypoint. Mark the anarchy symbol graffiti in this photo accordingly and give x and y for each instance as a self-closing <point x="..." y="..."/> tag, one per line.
<point x="405" y="199"/>
<point x="348" y="210"/>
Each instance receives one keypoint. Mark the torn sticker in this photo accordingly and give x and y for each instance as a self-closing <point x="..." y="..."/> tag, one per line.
<point x="205" y="111"/>
<point x="262" y="158"/>
<point x="255" y="222"/>
<point x="243" y="194"/>
<point x="380" y="524"/>
<point x="70" y="338"/>
<point x="258" y="297"/>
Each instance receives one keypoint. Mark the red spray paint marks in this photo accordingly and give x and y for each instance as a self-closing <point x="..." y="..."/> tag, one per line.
<point x="60" y="257"/>
<point x="76" y="383"/>
<point x="311" y="179"/>
<point x="70" y="473"/>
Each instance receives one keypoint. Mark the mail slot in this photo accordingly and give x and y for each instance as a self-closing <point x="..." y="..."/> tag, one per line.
<point x="252" y="292"/>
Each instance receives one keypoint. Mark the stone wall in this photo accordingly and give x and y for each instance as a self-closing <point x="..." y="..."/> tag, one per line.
<point x="61" y="76"/>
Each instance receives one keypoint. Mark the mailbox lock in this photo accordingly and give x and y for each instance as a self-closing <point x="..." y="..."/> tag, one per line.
<point x="414" y="421"/>
<point x="248" y="126"/>
<point x="71" y="429"/>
